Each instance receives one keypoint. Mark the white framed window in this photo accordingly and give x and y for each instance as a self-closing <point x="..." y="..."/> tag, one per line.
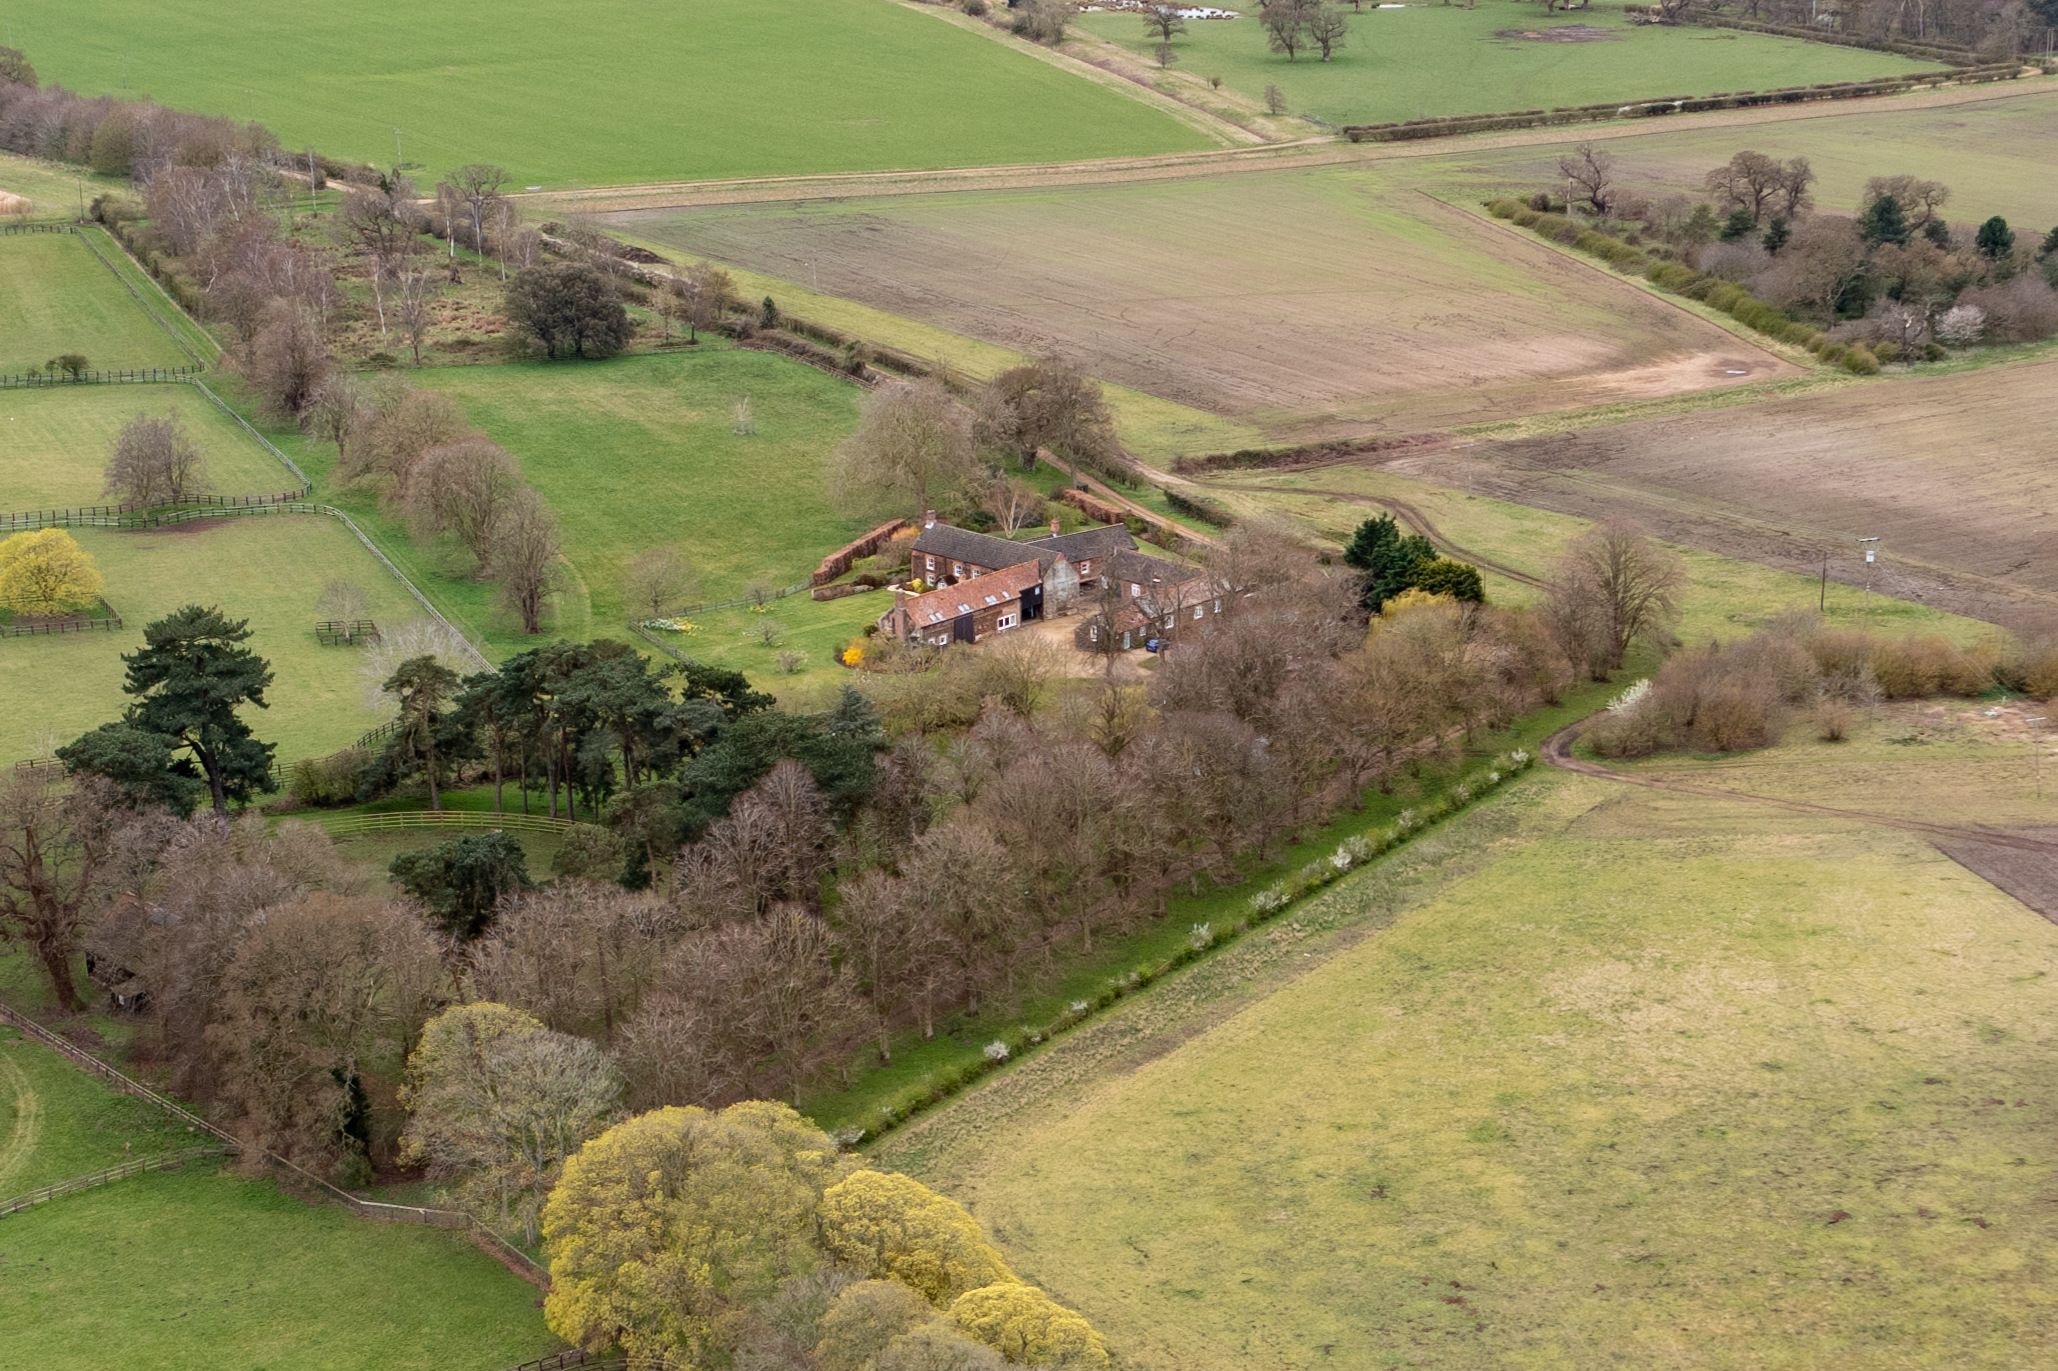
<point x="1005" y="621"/>
<point x="957" y="569"/>
<point x="1093" y="633"/>
<point x="1134" y="590"/>
<point x="1218" y="606"/>
<point x="1199" y="610"/>
<point x="931" y="565"/>
<point x="1086" y="567"/>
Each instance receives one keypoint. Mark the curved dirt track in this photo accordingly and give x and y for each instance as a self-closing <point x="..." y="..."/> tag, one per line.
<point x="1311" y="152"/>
<point x="1408" y="514"/>
<point x="1557" y="751"/>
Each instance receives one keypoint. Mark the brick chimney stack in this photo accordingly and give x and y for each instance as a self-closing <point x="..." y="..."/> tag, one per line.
<point x="1053" y="527"/>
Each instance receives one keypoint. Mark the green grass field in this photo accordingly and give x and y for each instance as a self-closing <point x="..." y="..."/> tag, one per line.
<point x="1428" y="60"/>
<point x="54" y="443"/>
<point x="57" y="1122"/>
<point x="268" y="569"/>
<point x="641" y="452"/>
<point x="1593" y="1076"/>
<point x="53" y="189"/>
<point x="630" y="92"/>
<point x="55" y="297"/>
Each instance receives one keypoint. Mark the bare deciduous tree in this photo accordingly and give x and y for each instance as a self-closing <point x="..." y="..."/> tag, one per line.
<point x="415" y="289"/>
<point x="1163" y="22"/>
<point x="1591" y="172"/>
<point x="154" y="462"/>
<point x="54" y="836"/>
<point x="1614" y="586"/>
<point x="657" y="581"/>
<point x="705" y="293"/>
<point x="524" y="556"/>
<point x="913" y="445"/>
<point x="1327" y="29"/>
<point x="476" y="187"/>
<point x="464" y="489"/>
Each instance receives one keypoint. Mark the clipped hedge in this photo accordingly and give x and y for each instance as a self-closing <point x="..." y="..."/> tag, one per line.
<point x="1451" y="125"/>
<point x="1677" y="278"/>
<point x="1265" y="906"/>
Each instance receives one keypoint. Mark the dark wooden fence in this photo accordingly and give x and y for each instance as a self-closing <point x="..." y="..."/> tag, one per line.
<point x="345" y="632"/>
<point x="288" y="1173"/>
<point x="169" y="1161"/>
<point x="138" y="515"/>
<point x="39" y="380"/>
<point x="107" y="621"/>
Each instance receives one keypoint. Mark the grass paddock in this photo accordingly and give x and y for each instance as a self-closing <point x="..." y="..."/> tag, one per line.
<point x="269" y="569"/>
<point x="54" y="444"/>
<point x="56" y="297"/>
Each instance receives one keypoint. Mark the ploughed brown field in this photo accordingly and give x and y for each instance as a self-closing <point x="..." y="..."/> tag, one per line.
<point x="1309" y="304"/>
<point x="1953" y="473"/>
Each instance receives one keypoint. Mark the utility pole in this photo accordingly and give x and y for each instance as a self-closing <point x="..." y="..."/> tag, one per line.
<point x="1871" y="559"/>
<point x="1822" y="597"/>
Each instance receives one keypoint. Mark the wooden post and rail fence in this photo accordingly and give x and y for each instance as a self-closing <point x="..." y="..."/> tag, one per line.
<point x="289" y="1173"/>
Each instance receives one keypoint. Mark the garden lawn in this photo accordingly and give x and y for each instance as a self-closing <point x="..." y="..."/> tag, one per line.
<point x="641" y="452"/>
<point x="198" y="1270"/>
<point x="54" y="443"/>
<point x="57" y="1122"/>
<point x="56" y="297"/>
<point x="1592" y="1076"/>
<point x="634" y="92"/>
<point x="269" y="569"/>
<point x="815" y="629"/>
<point x="1431" y="60"/>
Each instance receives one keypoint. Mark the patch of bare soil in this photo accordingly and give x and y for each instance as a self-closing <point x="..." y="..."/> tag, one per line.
<point x="1688" y="372"/>
<point x="1563" y="33"/>
<point x="2029" y="875"/>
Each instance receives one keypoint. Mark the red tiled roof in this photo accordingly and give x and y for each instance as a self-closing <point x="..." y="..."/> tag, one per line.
<point x="941" y="605"/>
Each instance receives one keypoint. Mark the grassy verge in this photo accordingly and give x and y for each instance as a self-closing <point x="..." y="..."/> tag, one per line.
<point x="923" y="1073"/>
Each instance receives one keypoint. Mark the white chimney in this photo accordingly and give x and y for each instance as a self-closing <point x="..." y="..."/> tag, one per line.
<point x="928" y="518"/>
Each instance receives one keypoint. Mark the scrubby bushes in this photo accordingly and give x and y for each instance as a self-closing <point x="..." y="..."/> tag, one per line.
<point x="1738" y="696"/>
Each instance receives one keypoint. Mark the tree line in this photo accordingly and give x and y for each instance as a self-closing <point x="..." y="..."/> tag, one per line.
<point x="1898" y="278"/>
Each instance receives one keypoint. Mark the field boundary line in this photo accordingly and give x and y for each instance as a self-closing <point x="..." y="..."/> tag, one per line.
<point x="84" y="236"/>
<point x="267" y="444"/>
<point x="164" y="1161"/>
<point x="516" y="1260"/>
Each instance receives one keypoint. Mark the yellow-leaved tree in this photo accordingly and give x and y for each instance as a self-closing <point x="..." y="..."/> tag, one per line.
<point x="893" y="1226"/>
<point x="47" y="572"/>
<point x="663" y="1229"/>
<point x="1028" y="1327"/>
